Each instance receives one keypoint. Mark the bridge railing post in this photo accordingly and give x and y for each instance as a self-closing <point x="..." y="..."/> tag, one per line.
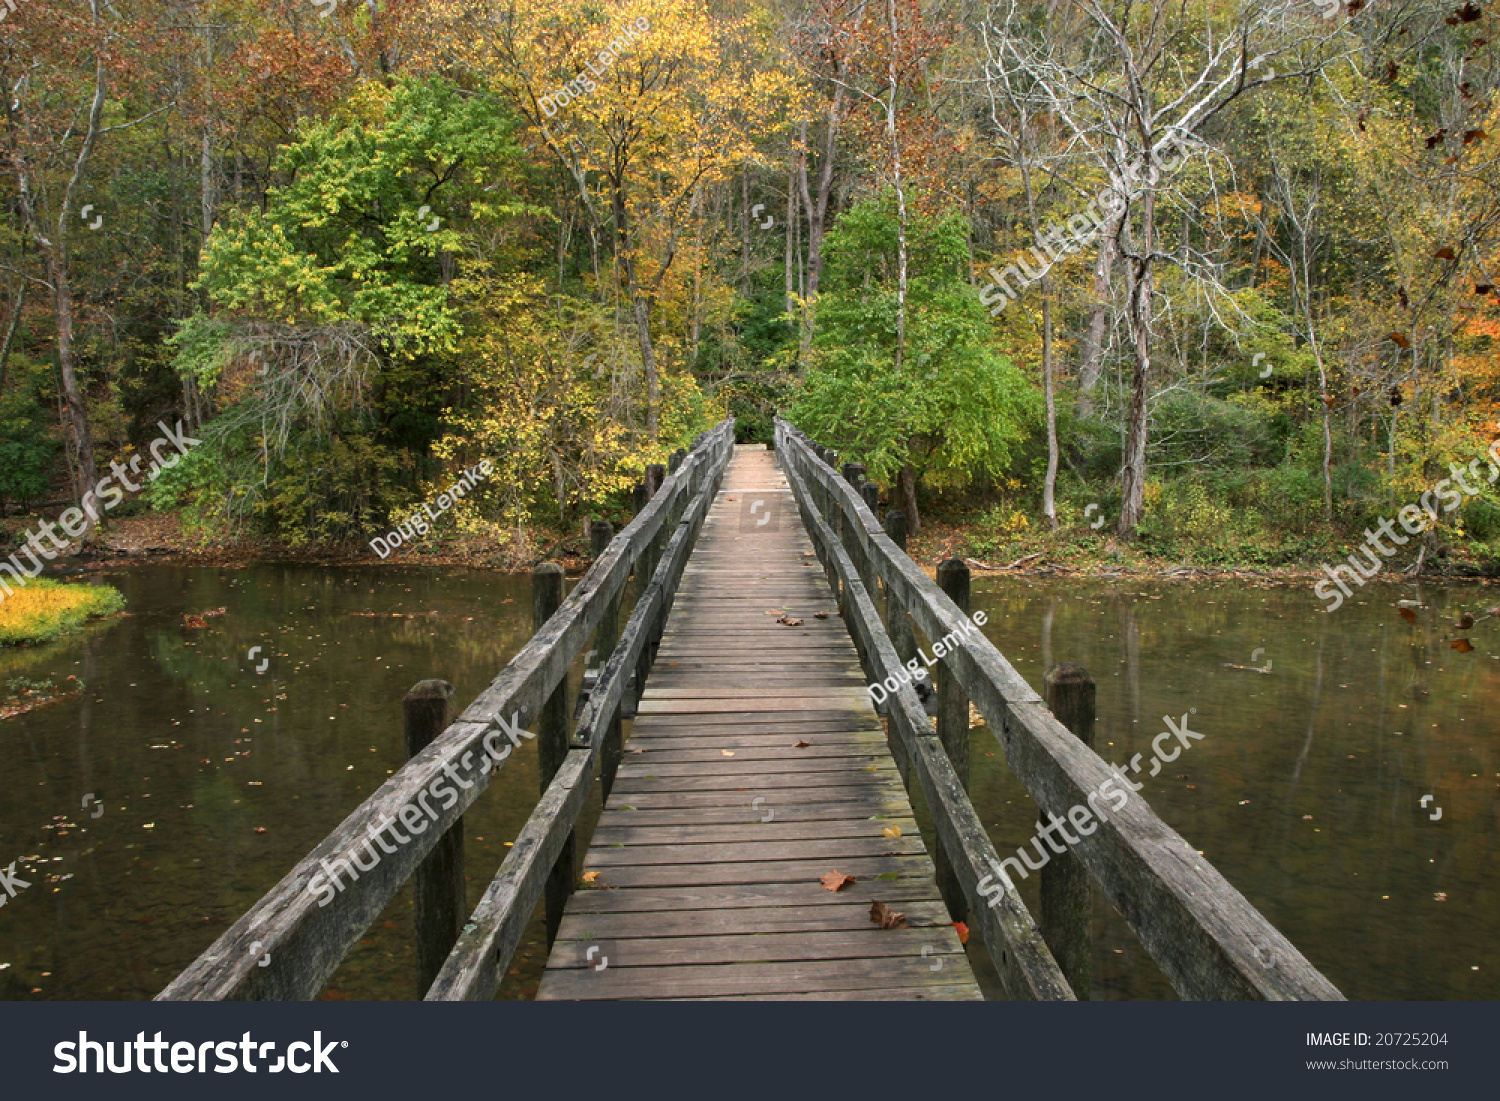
<point x="552" y="740"/>
<point x="953" y="728"/>
<point x="606" y="638"/>
<point x="1067" y="898"/>
<point x="898" y="626"/>
<point x="438" y="895"/>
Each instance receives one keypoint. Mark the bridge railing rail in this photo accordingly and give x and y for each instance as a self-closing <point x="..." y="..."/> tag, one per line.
<point x="287" y="945"/>
<point x="1207" y="939"/>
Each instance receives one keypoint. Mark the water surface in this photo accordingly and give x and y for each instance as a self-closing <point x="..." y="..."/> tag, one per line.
<point x="215" y="779"/>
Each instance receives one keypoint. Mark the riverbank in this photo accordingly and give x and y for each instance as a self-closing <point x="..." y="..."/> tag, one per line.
<point x="1070" y="551"/>
<point x="44" y="609"/>
<point x="158" y="537"/>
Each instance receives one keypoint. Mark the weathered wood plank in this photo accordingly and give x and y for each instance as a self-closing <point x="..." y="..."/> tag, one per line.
<point x="745" y="921"/>
<point x="758" y="896"/>
<point x="720" y="979"/>
<point x="643" y="854"/>
<point x="869" y="943"/>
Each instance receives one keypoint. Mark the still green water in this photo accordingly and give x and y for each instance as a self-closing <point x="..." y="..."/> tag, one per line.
<point x="215" y="779"/>
<point x="1306" y="789"/>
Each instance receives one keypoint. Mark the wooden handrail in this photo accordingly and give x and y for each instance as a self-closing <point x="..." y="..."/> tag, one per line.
<point x="479" y="960"/>
<point x="1205" y="936"/>
<point x="1015" y="945"/>
<point x="305" y="941"/>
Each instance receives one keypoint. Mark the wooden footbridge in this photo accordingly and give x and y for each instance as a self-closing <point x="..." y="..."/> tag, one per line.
<point x="757" y="840"/>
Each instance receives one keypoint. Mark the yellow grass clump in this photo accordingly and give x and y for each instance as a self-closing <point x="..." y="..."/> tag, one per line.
<point x="45" y="609"/>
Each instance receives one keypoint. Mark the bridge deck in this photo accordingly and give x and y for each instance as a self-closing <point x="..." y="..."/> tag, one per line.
<point x="703" y="876"/>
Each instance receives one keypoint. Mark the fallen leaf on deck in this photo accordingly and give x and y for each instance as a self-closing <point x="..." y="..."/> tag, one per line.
<point x="963" y="932"/>
<point x="883" y="916"/>
<point x="789" y="621"/>
<point x="727" y="752"/>
<point x="835" y="880"/>
<point x="820" y="615"/>
<point x="589" y="877"/>
<point x="801" y="745"/>
<point x="892" y="831"/>
<point x="775" y="611"/>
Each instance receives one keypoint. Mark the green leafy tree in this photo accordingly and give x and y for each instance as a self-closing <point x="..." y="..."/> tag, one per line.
<point x="948" y="411"/>
<point x="333" y="314"/>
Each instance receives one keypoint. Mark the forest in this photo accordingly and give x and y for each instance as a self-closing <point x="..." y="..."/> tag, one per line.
<point x="1201" y="281"/>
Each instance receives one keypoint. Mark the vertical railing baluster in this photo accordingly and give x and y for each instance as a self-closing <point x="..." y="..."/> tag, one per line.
<point x="1067" y="899"/>
<point x="438" y="897"/>
<point x="552" y="739"/>
<point x="953" y="728"/>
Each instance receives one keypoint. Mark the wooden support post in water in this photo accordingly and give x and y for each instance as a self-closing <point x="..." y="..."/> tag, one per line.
<point x="438" y="883"/>
<point x="898" y="623"/>
<point x="1066" y="895"/>
<point x="903" y="638"/>
<point x="870" y="492"/>
<point x="655" y="475"/>
<point x="605" y="640"/>
<point x="552" y="739"/>
<point x="953" y="727"/>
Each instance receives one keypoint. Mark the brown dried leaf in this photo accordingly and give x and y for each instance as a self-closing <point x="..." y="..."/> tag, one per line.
<point x="883" y="916"/>
<point x="1462" y="645"/>
<point x="1445" y="253"/>
<point x="836" y="880"/>
<point x="892" y="831"/>
<point x="801" y="745"/>
<point x="789" y="621"/>
<point x="820" y="615"/>
<point x="1407" y="614"/>
<point x="1399" y="340"/>
<point x="1465" y="621"/>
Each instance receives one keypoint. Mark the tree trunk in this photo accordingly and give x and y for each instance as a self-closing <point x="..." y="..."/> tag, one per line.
<point x="908" y="481"/>
<point x="817" y="210"/>
<point x="901" y="257"/>
<point x="1133" y="474"/>
<point x="1049" y="483"/>
<point x="85" y="472"/>
<point x="1093" y="336"/>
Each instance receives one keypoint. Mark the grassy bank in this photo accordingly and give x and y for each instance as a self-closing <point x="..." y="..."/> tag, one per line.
<point x="44" y="609"/>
